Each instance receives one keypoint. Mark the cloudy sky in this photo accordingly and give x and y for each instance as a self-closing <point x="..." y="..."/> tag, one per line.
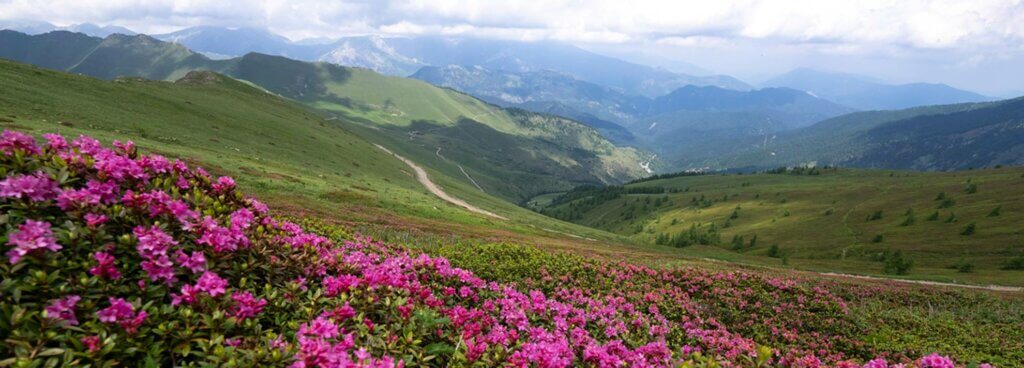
<point x="973" y="44"/>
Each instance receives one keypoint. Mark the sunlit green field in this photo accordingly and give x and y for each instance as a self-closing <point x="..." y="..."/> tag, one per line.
<point x="839" y="220"/>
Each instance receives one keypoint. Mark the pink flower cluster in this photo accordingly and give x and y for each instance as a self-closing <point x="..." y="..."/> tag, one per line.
<point x="122" y="313"/>
<point x="64" y="309"/>
<point x="615" y="315"/>
<point x="36" y="187"/>
<point x="31" y="237"/>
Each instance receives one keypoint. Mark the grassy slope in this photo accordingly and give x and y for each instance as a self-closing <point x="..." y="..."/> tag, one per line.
<point x="283" y="151"/>
<point x="514" y="154"/>
<point x="842" y="241"/>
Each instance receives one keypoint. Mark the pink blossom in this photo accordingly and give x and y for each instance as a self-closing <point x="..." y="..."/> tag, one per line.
<point x="877" y="363"/>
<point x="31" y="237"/>
<point x="159" y="268"/>
<point x="105" y="267"/>
<point x="153" y="242"/>
<point x="36" y="187"/>
<point x="195" y="263"/>
<point x="223" y="184"/>
<point x="87" y="145"/>
<point x="117" y="167"/>
<point x="319" y="327"/>
<point x="93" y="220"/>
<point x="241" y="219"/>
<point x="11" y="140"/>
<point x="246" y="306"/>
<point x="119" y="310"/>
<point x="211" y="284"/>
<point x="122" y="313"/>
<point x="63" y="309"/>
<point x="258" y="206"/>
<point x="55" y="142"/>
<point x="936" y="361"/>
<point x="334" y="285"/>
<point x="92" y="343"/>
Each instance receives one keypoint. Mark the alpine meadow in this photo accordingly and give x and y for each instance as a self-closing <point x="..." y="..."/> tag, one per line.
<point x="465" y="183"/>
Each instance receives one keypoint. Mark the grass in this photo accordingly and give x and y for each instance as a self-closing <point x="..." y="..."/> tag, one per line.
<point x="828" y="222"/>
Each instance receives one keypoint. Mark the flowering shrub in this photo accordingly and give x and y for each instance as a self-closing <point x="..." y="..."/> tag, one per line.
<point x="119" y="257"/>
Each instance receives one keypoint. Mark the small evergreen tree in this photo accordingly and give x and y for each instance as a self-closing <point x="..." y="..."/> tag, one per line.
<point x="878" y="238"/>
<point x="964" y="266"/>
<point x="774" y="251"/>
<point x="969" y="229"/>
<point x="753" y="241"/>
<point x="971" y="188"/>
<point x="877" y="215"/>
<point x="911" y="219"/>
<point x="996" y="211"/>
<point x="934" y="216"/>
<point x="1015" y="263"/>
<point x="737" y="242"/>
<point x="897" y="264"/>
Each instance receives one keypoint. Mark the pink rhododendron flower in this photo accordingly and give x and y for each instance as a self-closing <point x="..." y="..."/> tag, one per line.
<point x="31" y="237"/>
<point x="246" y="306"/>
<point x="93" y="220"/>
<point x="63" y="309"/>
<point x="11" y="140"/>
<point x="92" y="343"/>
<point x="211" y="284"/>
<point x="936" y="361"/>
<point x="223" y="184"/>
<point x="55" y="142"/>
<point x="105" y="267"/>
<point x="153" y="241"/>
<point x="334" y="285"/>
<point x="159" y="268"/>
<point x="36" y="187"/>
<point x="122" y="313"/>
<point x="119" y="310"/>
<point x="195" y="262"/>
<point x="241" y="219"/>
<point x="258" y="206"/>
<point x="320" y="327"/>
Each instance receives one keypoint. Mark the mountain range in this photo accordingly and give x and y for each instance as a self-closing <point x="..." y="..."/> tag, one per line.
<point x="932" y="138"/>
<point x="34" y="28"/>
<point x="687" y="127"/>
<point x="865" y="93"/>
<point x="403" y="56"/>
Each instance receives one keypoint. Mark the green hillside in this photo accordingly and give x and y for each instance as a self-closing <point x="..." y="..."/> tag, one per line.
<point x="943" y="137"/>
<point x="830" y="220"/>
<point x="286" y="152"/>
<point x="510" y="153"/>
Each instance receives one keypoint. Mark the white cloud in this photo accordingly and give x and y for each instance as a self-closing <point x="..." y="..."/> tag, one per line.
<point x="908" y="23"/>
<point x="894" y="37"/>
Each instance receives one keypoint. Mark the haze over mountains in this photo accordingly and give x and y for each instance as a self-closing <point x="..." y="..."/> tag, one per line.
<point x="687" y="122"/>
<point x="865" y="93"/>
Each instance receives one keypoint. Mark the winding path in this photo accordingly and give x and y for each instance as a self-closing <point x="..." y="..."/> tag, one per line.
<point x="421" y="176"/>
